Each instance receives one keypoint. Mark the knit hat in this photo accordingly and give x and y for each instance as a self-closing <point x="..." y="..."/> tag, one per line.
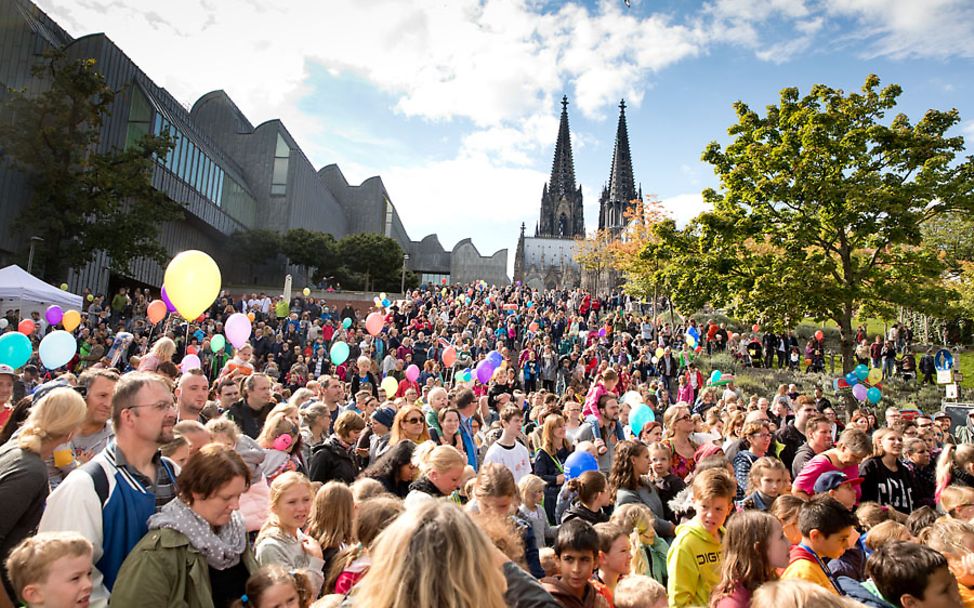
<point x="707" y="449"/>
<point x="384" y="416"/>
<point x="832" y="480"/>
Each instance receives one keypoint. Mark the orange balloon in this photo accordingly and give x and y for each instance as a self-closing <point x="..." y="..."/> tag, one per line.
<point x="251" y="316"/>
<point x="374" y="323"/>
<point x="26" y="327"/>
<point x="156" y="311"/>
<point x="191" y="349"/>
<point x="71" y="320"/>
<point x="449" y="356"/>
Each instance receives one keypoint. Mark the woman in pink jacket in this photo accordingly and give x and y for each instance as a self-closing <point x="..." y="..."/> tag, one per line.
<point x="850" y="450"/>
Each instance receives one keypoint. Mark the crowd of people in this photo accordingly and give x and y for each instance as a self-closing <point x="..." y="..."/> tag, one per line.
<point x="595" y="465"/>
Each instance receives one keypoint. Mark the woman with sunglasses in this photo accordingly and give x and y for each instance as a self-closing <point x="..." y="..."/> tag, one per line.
<point x="409" y="423"/>
<point x="678" y="425"/>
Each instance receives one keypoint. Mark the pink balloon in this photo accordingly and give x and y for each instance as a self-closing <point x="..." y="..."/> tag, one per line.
<point x="374" y="323"/>
<point x="238" y="329"/>
<point x="412" y="373"/>
<point x="190" y="362"/>
<point x="859" y="391"/>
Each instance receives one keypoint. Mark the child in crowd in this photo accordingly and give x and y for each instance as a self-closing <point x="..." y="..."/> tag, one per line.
<point x="850" y="450"/>
<point x="826" y="526"/>
<point x="176" y="450"/>
<point x="667" y="484"/>
<point x="280" y="438"/>
<point x="372" y="517"/>
<point x="910" y="575"/>
<point x="195" y="434"/>
<point x="694" y="561"/>
<point x="615" y="556"/>
<point x="955" y="540"/>
<point x="786" y="509"/>
<point x="273" y="586"/>
<point x="765" y="481"/>
<point x="577" y="554"/>
<point x="638" y="591"/>
<point x="593" y="495"/>
<point x="531" y="491"/>
<point x="224" y="431"/>
<point x="754" y="548"/>
<point x="51" y="570"/>
<point x="647" y="548"/>
<point x="839" y="486"/>
<point x="958" y="502"/>
<point x="606" y="384"/>
<point x="332" y="519"/>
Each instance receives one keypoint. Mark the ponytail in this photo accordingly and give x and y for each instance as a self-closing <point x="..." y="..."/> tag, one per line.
<point x="55" y="417"/>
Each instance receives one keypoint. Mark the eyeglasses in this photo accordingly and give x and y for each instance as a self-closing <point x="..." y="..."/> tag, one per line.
<point x="413" y="420"/>
<point x="682" y="418"/>
<point x="161" y="406"/>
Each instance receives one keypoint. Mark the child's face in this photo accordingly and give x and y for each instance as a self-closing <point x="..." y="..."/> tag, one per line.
<point x="712" y="513"/>
<point x="180" y="456"/>
<point x="941" y="592"/>
<point x="68" y="584"/>
<point x="846" y="495"/>
<point x="833" y="546"/>
<point x="618" y="558"/>
<point x="964" y="576"/>
<point x="778" y="546"/>
<point x="576" y="569"/>
<point x="791" y="531"/>
<point x="769" y="483"/>
<point x="279" y="595"/>
<point x="659" y="462"/>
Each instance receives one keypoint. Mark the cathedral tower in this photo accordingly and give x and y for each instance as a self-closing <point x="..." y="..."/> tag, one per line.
<point x="618" y="194"/>
<point x="561" y="199"/>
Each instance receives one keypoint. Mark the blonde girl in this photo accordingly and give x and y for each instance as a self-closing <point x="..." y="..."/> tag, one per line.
<point x="955" y="540"/>
<point x="677" y="427"/>
<point x="531" y="490"/>
<point x="549" y="461"/>
<point x="648" y="549"/>
<point x="441" y="472"/>
<point x="224" y="431"/>
<point x="754" y="548"/>
<point x="332" y="519"/>
<point x="281" y="541"/>
<point x="958" y="502"/>
<point x="281" y="439"/>
<point x="372" y="517"/>
<point x="765" y="481"/>
<point x="274" y="586"/>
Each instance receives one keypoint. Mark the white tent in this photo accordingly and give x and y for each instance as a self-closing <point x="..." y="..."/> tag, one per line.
<point x="24" y="291"/>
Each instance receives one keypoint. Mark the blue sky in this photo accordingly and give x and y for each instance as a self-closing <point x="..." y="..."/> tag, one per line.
<point x="455" y="103"/>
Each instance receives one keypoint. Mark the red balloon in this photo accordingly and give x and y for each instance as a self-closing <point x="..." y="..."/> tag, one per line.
<point x="756" y="327"/>
<point x="449" y="356"/>
<point x="26" y="327"/>
<point x="191" y="349"/>
<point x="819" y="335"/>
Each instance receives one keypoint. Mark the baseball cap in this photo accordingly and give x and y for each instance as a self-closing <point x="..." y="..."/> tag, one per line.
<point x="384" y="416"/>
<point x="832" y="480"/>
<point x="6" y="370"/>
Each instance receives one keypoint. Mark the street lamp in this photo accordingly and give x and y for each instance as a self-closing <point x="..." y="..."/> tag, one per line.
<point x="402" y="283"/>
<point x="34" y="240"/>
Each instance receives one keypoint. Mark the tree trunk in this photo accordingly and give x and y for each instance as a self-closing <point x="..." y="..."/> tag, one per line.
<point x="847" y="339"/>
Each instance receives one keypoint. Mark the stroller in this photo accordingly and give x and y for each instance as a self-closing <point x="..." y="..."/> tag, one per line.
<point x="755" y="352"/>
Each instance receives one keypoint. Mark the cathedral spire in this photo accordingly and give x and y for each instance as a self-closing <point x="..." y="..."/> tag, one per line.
<point x="562" y="181"/>
<point x="622" y="185"/>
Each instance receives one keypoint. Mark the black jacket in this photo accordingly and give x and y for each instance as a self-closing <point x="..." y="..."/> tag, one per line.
<point x="792" y="439"/>
<point x="580" y="511"/>
<point x="249" y="421"/>
<point x="331" y="461"/>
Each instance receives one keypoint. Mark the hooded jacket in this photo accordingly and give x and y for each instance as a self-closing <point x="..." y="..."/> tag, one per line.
<point x="693" y="566"/>
<point x="567" y="598"/>
<point x="805" y="566"/>
<point x="333" y="461"/>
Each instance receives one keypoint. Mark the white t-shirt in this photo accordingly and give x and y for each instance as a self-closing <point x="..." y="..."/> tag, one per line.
<point x="515" y="457"/>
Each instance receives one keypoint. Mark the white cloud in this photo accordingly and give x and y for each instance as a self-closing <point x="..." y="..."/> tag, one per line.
<point x="684" y="207"/>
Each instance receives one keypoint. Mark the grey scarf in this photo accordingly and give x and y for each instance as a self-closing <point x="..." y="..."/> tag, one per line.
<point x="221" y="548"/>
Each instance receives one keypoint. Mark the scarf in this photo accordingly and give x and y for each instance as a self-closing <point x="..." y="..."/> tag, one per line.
<point x="221" y="548"/>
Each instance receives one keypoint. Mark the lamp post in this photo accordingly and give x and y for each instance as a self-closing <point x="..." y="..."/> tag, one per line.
<point x="34" y="240"/>
<point x="402" y="282"/>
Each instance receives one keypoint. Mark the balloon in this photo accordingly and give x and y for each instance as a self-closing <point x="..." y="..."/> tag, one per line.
<point x="465" y="375"/>
<point x="484" y="371"/>
<point x="851" y="378"/>
<point x="4" y="323"/>
<point x="90" y="297"/>
<point x="382" y="296"/>
<point x="820" y="335"/>
<point x="640" y="415"/>
<point x="192" y="350"/>
<point x="390" y="386"/>
<point x="15" y="349"/>
<point x="53" y="315"/>
<point x="755" y="328"/>
<point x="578" y="462"/>
<point x="601" y="332"/>
<point x="306" y="291"/>
<point x="238" y="329"/>
<point x="449" y="356"/>
<point x="495" y="358"/>
<point x="251" y="316"/>
<point x="715" y="376"/>
<point x="57" y="348"/>
<point x="156" y="311"/>
<point x="165" y="298"/>
<point x="377" y="301"/>
<point x="374" y="323"/>
<point x="862" y="372"/>
<point x="64" y="286"/>
<point x="860" y="391"/>
<point x="218" y="343"/>
<point x="71" y="320"/>
<point x="691" y="342"/>
<point x="386" y="303"/>
<point x="693" y="331"/>
<point x="347" y="322"/>
<point x="190" y="362"/>
<point x="192" y="282"/>
<point x="199" y="335"/>
<point x="874" y="395"/>
<point x="875" y="376"/>
<point x="530" y="304"/>
<point x="443" y="281"/>
<point x="533" y="326"/>
<point x="633" y="398"/>
<point x="412" y="373"/>
<point x="338" y="353"/>
<point x="26" y="327"/>
<point x="660" y="351"/>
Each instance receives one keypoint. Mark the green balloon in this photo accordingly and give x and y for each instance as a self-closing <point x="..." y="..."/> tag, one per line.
<point x="346" y="322"/>
<point x="218" y="343"/>
<point x="15" y="349"/>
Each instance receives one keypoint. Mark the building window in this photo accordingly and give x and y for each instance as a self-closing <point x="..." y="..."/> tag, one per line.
<point x="279" y="178"/>
<point x="389" y="216"/>
<point x="140" y="118"/>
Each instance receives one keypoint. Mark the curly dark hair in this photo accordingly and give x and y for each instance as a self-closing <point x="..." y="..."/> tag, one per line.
<point x="622" y="474"/>
<point x="387" y="466"/>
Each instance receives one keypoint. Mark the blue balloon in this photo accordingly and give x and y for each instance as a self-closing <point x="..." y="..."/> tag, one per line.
<point x="639" y="417"/>
<point x="15" y="349"/>
<point x="386" y="302"/>
<point x="578" y="462"/>
<point x="338" y="353"/>
<point x="851" y="378"/>
<point x="862" y="372"/>
<point x="495" y="358"/>
<point x="693" y="331"/>
<point x="57" y="349"/>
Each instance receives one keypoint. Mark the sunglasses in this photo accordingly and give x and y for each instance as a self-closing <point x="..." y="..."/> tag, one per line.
<point x="413" y="420"/>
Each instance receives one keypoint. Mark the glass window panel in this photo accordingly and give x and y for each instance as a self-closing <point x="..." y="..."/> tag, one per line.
<point x="278" y="190"/>
<point x="282" y="151"/>
<point x="156" y="124"/>
<point x="204" y="188"/>
<point x="280" y="171"/>
<point x="140" y="110"/>
<point x="218" y="198"/>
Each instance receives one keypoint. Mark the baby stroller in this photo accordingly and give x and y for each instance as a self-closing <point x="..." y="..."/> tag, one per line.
<point x="756" y="353"/>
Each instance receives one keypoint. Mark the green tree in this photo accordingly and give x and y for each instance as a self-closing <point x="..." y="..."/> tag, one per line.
<point x="254" y="247"/>
<point x="315" y="251"/>
<point x="821" y="208"/>
<point x="371" y="261"/>
<point x="83" y="201"/>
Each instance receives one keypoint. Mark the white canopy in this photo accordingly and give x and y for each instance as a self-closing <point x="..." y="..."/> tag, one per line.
<point x="19" y="289"/>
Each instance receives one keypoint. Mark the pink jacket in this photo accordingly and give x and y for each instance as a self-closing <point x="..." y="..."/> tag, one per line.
<point x="591" y="407"/>
<point x="821" y="464"/>
<point x="255" y="504"/>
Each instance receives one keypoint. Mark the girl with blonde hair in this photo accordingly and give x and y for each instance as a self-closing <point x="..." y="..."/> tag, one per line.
<point x="441" y="470"/>
<point x="648" y="548"/>
<point x="374" y="515"/>
<point x="161" y="352"/>
<point x="958" y="502"/>
<point x="332" y="519"/>
<point x="549" y="461"/>
<point x="281" y="541"/>
<point x="678" y="426"/>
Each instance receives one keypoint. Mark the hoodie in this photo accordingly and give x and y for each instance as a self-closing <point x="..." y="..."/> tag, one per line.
<point x="693" y="566"/>
<point x="567" y="598"/>
<point x="805" y="565"/>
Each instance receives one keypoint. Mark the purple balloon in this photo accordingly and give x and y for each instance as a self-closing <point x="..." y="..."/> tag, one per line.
<point x="165" y="298"/>
<point x="190" y="362"/>
<point x="484" y="371"/>
<point x="54" y="314"/>
<point x="860" y="391"/>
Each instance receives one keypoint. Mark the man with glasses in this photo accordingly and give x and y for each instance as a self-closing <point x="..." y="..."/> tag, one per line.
<point x="110" y="499"/>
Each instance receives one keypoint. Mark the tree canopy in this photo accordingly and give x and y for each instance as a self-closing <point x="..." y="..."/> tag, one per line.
<point x="820" y="211"/>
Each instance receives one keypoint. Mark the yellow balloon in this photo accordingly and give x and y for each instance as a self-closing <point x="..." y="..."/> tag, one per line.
<point x="192" y="282"/>
<point x="875" y="376"/>
<point x="307" y="291"/>
<point x="71" y="320"/>
<point x="390" y="386"/>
